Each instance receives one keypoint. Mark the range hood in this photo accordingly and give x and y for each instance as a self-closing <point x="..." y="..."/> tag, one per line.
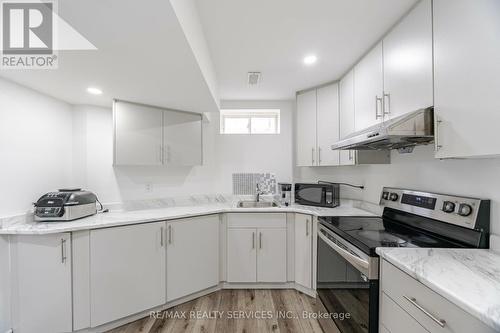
<point x="406" y="131"/>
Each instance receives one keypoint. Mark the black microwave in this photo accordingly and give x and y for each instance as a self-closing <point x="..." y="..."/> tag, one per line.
<point x="321" y="195"/>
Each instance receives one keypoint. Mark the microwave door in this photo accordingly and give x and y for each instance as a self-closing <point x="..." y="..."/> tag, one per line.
<point x="312" y="195"/>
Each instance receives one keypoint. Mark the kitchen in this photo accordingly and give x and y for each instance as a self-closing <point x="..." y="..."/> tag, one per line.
<point x="324" y="166"/>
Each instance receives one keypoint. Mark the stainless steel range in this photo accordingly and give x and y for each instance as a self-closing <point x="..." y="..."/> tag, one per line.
<point x="348" y="266"/>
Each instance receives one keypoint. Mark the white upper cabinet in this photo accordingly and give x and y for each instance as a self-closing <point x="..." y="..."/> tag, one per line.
<point x="182" y="141"/>
<point x="306" y="128"/>
<point x="146" y="135"/>
<point x="408" y="63"/>
<point x="327" y="124"/>
<point x="318" y="126"/>
<point x="138" y="134"/>
<point x="346" y="116"/>
<point x="466" y="77"/>
<point x="368" y="89"/>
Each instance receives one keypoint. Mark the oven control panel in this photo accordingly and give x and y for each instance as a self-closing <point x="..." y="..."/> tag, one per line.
<point x="462" y="211"/>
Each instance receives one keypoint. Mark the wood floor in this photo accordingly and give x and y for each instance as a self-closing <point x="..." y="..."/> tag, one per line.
<point x="241" y="311"/>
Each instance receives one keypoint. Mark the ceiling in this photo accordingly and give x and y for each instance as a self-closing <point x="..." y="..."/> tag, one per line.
<point x="274" y="36"/>
<point x="143" y="56"/>
<point x="151" y="54"/>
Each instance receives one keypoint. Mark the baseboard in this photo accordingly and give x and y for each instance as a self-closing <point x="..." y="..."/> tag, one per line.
<point x="283" y="285"/>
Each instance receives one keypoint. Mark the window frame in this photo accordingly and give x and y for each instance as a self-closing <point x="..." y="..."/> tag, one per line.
<point x="250" y="114"/>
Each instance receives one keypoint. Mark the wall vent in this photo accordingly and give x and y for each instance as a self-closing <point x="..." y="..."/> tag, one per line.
<point x="253" y="78"/>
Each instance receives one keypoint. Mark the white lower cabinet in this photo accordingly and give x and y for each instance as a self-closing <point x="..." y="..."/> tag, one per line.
<point x="192" y="255"/>
<point x="303" y="250"/>
<point x="256" y="248"/>
<point x="407" y="303"/>
<point x="241" y="255"/>
<point x="41" y="268"/>
<point x="127" y="271"/>
<point x="271" y="255"/>
<point x="394" y="319"/>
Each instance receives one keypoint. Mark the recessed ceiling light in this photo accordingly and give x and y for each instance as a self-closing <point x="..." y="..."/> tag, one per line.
<point x="94" y="91"/>
<point x="310" y="59"/>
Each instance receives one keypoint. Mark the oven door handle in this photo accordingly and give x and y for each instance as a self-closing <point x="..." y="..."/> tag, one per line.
<point x="356" y="261"/>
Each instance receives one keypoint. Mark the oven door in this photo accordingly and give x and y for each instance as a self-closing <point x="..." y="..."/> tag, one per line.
<point x="349" y="296"/>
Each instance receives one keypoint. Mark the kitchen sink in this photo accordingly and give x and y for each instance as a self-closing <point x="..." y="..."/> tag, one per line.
<point x="256" y="204"/>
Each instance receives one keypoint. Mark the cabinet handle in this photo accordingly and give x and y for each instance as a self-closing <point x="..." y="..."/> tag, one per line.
<point x="307" y="227"/>
<point x="160" y="154"/>
<point x="413" y="301"/>
<point x="260" y="240"/>
<point x="312" y="156"/>
<point x="436" y="134"/>
<point x="161" y="236"/>
<point x="377" y="100"/>
<point x="319" y="156"/>
<point x="387" y="110"/>
<point x="63" y="250"/>
<point x="169" y="234"/>
<point x="253" y="240"/>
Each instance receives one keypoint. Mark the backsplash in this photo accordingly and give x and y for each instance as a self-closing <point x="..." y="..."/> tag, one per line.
<point x="245" y="183"/>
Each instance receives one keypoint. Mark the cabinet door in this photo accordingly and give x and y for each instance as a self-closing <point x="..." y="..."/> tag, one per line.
<point x="408" y="63"/>
<point x="394" y="319"/>
<point x="182" y="138"/>
<point x="368" y="89"/>
<point x="137" y="134"/>
<point x="271" y="255"/>
<point x="466" y="77"/>
<point x="192" y="255"/>
<point x="328" y="124"/>
<point x="127" y="271"/>
<point x="303" y="250"/>
<point x="42" y="276"/>
<point x="241" y="255"/>
<point x="306" y="128"/>
<point x="346" y="116"/>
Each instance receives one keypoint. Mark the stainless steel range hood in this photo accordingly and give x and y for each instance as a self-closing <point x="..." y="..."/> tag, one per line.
<point x="409" y="130"/>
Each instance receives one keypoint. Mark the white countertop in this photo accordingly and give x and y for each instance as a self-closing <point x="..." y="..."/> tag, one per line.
<point x="469" y="278"/>
<point x="116" y="218"/>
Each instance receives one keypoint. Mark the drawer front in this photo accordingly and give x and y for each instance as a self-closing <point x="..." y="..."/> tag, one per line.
<point x="256" y="220"/>
<point x="425" y="305"/>
<point x="393" y="319"/>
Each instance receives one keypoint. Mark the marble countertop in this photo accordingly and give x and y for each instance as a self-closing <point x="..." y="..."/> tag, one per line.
<point x="469" y="278"/>
<point x="26" y="225"/>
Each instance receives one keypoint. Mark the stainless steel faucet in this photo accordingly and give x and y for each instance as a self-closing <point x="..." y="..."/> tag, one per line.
<point x="258" y="192"/>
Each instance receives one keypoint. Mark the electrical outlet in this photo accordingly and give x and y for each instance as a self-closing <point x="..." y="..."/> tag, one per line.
<point x="148" y="187"/>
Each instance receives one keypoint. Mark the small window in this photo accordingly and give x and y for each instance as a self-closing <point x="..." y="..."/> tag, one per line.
<point x="250" y="121"/>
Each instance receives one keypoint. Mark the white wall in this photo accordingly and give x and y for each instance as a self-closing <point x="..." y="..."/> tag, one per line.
<point x="223" y="155"/>
<point x="35" y="146"/>
<point x="419" y="170"/>
<point x="255" y="153"/>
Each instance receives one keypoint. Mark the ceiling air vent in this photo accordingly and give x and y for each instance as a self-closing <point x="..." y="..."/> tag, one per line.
<point x="253" y="78"/>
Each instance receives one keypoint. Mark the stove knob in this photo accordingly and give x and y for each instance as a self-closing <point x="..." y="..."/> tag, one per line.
<point x="448" y="207"/>
<point x="393" y="197"/>
<point x="464" y="210"/>
<point x="385" y="195"/>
